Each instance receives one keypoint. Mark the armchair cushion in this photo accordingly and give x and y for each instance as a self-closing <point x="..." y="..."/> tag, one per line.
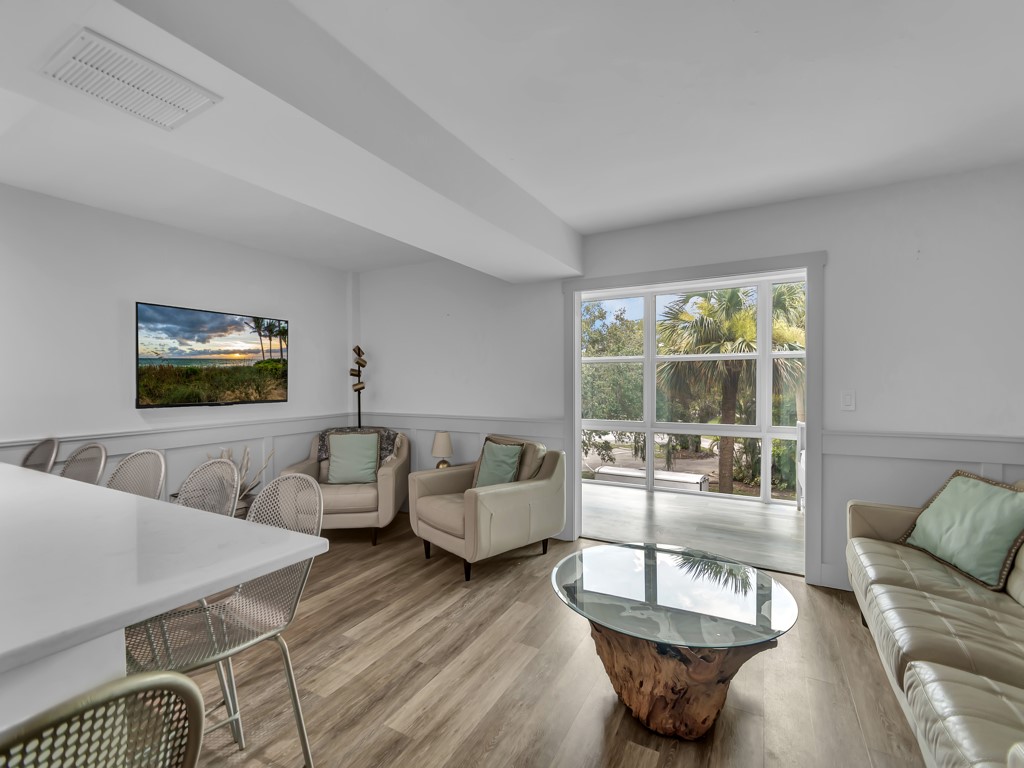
<point x="446" y="512"/>
<point x="498" y="464"/>
<point x="353" y="458"/>
<point x="973" y="524"/>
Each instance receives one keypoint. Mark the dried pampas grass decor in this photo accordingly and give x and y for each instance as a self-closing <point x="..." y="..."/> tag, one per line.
<point x="245" y="484"/>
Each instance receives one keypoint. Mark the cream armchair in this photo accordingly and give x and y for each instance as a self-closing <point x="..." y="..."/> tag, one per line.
<point x="475" y="523"/>
<point x="360" y="505"/>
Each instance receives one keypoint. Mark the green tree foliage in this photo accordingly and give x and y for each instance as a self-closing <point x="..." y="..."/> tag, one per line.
<point x="618" y="338"/>
<point x="259" y="327"/>
<point x="722" y="322"/>
<point x="611" y="391"/>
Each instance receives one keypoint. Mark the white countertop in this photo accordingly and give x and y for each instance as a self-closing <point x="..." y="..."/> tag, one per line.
<point x="78" y="561"/>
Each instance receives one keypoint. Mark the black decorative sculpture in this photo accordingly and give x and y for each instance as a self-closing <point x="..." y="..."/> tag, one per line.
<point x="359" y="385"/>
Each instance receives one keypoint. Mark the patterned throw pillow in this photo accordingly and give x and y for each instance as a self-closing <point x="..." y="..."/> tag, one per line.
<point x="974" y="525"/>
<point x="387" y="445"/>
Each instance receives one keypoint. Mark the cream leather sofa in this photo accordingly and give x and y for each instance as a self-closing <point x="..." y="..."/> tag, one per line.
<point x="953" y="650"/>
<point x="476" y="523"/>
<point x="360" y="505"/>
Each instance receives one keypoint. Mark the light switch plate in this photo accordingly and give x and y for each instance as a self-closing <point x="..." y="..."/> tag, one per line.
<point x="848" y="400"/>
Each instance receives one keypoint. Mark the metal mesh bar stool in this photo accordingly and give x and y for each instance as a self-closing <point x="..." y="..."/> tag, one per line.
<point x="154" y="720"/>
<point x="41" y="456"/>
<point x="187" y="639"/>
<point x="141" y="473"/>
<point x="86" y="464"/>
<point x="212" y="487"/>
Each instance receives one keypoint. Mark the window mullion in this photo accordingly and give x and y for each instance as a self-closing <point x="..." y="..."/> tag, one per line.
<point x="650" y="384"/>
<point x="765" y="373"/>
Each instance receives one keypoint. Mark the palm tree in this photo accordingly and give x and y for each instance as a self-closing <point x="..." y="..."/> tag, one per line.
<point x="724" y="321"/>
<point x="789" y="321"/>
<point x="271" y="332"/>
<point x="705" y="567"/>
<point x="282" y="337"/>
<point x="259" y="326"/>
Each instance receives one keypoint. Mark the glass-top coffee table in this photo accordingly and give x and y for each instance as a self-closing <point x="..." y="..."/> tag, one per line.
<point x="673" y="626"/>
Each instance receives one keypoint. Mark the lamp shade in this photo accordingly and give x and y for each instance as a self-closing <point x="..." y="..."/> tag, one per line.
<point x="442" y="448"/>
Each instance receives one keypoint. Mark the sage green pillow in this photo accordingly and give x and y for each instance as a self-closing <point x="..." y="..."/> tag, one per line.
<point x="973" y="524"/>
<point x="353" y="458"/>
<point x="498" y="464"/>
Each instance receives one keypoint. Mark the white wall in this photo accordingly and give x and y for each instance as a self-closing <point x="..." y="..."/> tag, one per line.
<point x="922" y="320"/>
<point x="922" y="293"/>
<point x="69" y="279"/>
<point x="442" y="339"/>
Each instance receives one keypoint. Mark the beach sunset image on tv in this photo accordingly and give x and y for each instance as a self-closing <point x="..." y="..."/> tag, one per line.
<point x="199" y="357"/>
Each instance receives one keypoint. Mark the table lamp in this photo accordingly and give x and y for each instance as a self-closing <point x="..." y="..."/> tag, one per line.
<point x="442" y="449"/>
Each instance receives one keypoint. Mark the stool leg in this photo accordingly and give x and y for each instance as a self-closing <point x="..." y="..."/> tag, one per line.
<point x="226" y="673"/>
<point x="299" y="722"/>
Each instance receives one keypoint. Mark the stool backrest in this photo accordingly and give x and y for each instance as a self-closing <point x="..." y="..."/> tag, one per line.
<point x="152" y="719"/>
<point x="86" y="464"/>
<point x="212" y="486"/>
<point x="141" y="473"/>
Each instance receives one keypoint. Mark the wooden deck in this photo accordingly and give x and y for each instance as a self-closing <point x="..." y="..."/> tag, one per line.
<point x="767" y="536"/>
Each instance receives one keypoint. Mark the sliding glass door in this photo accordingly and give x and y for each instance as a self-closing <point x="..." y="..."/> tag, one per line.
<point x="694" y="387"/>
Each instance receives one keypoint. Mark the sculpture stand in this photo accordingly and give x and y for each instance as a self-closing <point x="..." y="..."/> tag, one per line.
<point x="672" y="690"/>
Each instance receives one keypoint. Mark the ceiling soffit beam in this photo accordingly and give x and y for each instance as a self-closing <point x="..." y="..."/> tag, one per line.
<point x="276" y="47"/>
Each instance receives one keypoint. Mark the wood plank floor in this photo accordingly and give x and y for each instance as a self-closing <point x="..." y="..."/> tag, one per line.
<point x="402" y="663"/>
<point x="765" y="535"/>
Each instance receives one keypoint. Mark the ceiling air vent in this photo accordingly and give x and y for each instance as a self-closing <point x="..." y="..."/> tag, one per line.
<point x="100" y="67"/>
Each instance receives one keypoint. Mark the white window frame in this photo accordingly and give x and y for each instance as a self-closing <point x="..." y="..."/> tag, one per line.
<point x="764" y="358"/>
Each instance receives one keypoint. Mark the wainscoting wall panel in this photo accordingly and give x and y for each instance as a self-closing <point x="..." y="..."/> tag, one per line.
<point x="899" y="469"/>
<point x="286" y="441"/>
<point x="468" y="433"/>
<point x="895" y="468"/>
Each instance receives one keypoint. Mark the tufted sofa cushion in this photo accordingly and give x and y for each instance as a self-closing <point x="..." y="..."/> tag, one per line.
<point x="910" y="625"/>
<point x="965" y="719"/>
<point x="871" y="561"/>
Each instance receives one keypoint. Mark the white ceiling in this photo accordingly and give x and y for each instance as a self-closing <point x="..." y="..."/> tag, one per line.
<point x="372" y="133"/>
<point x="617" y="113"/>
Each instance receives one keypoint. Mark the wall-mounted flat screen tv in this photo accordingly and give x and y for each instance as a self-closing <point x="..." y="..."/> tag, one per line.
<point x="198" y="357"/>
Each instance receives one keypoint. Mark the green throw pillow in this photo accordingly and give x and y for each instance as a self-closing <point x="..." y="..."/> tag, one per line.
<point x="353" y="458"/>
<point x="498" y="464"/>
<point x="973" y="524"/>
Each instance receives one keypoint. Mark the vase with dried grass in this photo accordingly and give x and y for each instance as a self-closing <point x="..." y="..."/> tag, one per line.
<point x="246" y="485"/>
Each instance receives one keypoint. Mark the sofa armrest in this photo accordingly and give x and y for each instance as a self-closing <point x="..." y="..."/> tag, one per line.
<point x="393" y="483"/>
<point x="886" y="522"/>
<point x="309" y="467"/>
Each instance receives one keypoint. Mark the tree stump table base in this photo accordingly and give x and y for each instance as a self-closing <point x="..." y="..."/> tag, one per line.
<point x="674" y="691"/>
